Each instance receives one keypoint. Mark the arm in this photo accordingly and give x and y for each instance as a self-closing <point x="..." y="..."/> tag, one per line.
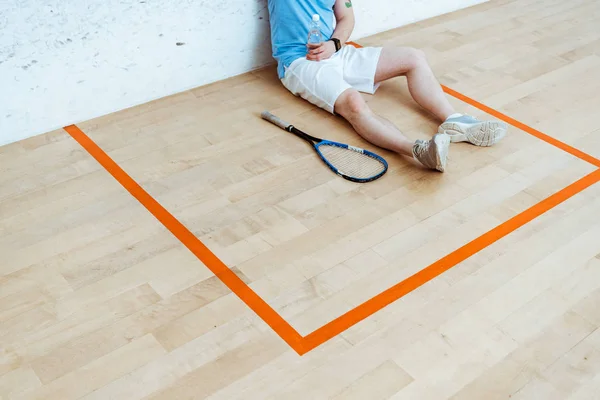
<point x="344" y="16"/>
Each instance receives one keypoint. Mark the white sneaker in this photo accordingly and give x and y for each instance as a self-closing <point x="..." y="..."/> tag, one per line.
<point x="433" y="153"/>
<point x="469" y="129"/>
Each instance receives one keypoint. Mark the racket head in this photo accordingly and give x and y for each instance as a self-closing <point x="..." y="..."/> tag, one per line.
<point x="352" y="163"/>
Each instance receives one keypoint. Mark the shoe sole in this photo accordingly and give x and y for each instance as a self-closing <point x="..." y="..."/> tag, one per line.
<point x="442" y="143"/>
<point x="484" y="134"/>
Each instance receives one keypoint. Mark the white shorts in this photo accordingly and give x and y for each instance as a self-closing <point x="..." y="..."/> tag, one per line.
<point x="322" y="82"/>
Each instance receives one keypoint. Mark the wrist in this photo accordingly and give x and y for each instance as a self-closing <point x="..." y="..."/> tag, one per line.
<point x="336" y="43"/>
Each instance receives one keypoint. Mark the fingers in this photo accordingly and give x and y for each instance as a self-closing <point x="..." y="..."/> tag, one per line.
<point x="316" y="50"/>
<point x="319" y="52"/>
<point x="317" y="57"/>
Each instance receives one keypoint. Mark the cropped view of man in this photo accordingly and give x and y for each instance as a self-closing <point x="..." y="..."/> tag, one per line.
<point x="331" y="75"/>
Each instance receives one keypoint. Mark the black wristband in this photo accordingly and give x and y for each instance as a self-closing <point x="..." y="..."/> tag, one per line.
<point x="337" y="43"/>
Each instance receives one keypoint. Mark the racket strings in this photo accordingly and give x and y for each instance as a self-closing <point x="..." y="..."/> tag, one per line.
<point x="352" y="163"/>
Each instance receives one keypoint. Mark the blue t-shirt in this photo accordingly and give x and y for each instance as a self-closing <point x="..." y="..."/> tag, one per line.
<point x="290" y="23"/>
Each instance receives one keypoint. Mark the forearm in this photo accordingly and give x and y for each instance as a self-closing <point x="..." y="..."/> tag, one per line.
<point x="344" y="29"/>
<point x="344" y="18"/>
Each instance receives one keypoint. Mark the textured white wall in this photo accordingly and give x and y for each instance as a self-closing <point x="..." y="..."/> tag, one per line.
<point x="63" y="61"/>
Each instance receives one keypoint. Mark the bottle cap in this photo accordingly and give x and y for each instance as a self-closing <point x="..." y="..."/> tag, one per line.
<point x="316" y="18"/>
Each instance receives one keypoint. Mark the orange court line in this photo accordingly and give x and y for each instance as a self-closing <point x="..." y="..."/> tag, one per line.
<point x="548" y="139"/>
<point x="301" y="344"/>
<point x="189" y="240"/>
<point x="392" y="294"/>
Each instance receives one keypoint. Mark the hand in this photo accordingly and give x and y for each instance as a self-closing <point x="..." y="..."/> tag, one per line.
<point x="321" y="51"/>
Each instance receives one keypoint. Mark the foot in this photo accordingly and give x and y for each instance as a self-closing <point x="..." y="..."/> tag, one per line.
<point x="433" y="153"/>
<point x="469" y="129"/>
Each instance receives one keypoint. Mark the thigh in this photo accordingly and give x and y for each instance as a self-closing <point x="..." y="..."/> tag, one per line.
<point x="360" y="67"/>
<point x="320" y="83"/>
<point x="397" y="61"/>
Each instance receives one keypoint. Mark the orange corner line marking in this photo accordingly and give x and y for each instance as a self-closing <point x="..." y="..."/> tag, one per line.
<point x="189" y="240"/>
<point x="301" y="344"/>
<point x="392" y="294"/>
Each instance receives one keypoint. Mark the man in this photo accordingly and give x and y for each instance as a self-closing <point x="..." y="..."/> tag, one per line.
<point x="331" y="75"/>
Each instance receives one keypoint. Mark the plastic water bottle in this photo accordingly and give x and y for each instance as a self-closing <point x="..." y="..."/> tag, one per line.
<point x="314" y="35"/>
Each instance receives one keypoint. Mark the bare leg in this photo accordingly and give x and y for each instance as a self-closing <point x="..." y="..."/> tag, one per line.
<point x="428" y="93"/>
<point x="371" y="127"/>
<point x="422" y="84"/>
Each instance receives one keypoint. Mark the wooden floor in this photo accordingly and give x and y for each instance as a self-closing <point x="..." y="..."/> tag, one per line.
<point x="98" y="300"/>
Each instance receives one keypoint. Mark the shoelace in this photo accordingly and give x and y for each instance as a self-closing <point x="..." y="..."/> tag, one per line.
<point x="421" y="148"/>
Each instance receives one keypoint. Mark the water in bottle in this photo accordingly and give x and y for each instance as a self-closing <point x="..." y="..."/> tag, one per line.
<point x="314" y="35"/>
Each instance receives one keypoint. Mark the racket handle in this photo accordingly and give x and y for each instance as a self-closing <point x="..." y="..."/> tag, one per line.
<point x="275" y="120"/>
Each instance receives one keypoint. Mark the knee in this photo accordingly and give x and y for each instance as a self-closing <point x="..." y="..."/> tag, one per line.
<point x="351" y="105"/>
<point x="356" y="104"/>
<point x="416" y="57"/>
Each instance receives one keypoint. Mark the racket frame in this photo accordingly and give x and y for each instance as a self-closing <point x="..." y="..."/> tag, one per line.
<point x="316" y="142"/>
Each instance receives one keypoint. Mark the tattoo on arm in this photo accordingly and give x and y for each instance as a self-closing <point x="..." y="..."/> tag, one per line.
<point x="349" y="4"/>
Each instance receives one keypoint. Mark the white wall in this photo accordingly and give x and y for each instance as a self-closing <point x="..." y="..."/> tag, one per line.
<point x="64" y="61"/>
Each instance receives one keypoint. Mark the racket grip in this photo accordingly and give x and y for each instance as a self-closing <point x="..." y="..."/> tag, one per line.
<point x="275" y="120"/>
